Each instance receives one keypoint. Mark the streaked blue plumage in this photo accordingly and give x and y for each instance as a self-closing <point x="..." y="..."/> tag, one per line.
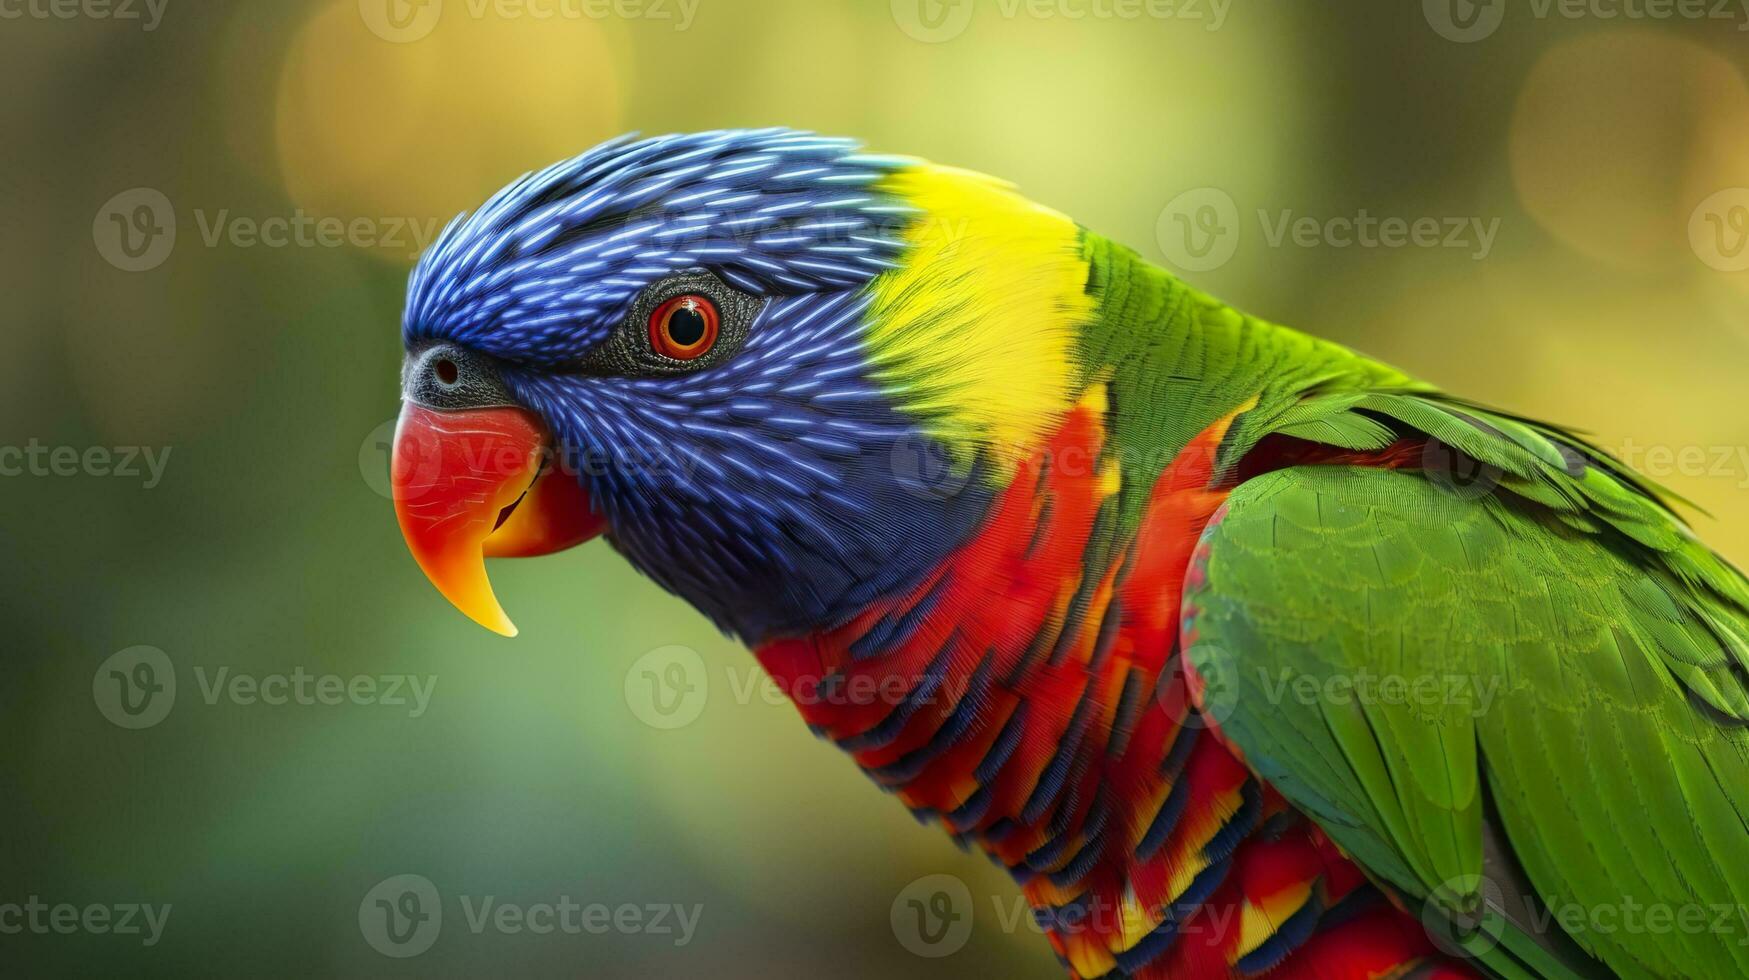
<point x="772" y="490"/>
<point x="550" y="263"/>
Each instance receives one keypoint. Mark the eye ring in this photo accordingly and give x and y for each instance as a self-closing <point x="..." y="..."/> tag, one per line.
<point x="685" y="328"/>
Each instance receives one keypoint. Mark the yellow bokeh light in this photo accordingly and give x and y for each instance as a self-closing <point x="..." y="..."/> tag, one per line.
<point x="427" y="126"/>
<point x="1617" y="136"/>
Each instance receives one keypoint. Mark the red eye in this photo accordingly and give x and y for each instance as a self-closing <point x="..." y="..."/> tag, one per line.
<point x="685" y="327"/>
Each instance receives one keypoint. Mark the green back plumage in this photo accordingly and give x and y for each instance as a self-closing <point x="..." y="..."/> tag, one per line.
<point x="1608" y="768"/>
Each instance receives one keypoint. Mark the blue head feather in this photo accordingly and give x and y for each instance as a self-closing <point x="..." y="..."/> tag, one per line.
<point x="551" y="262"/>
<point x="779" y="491"/>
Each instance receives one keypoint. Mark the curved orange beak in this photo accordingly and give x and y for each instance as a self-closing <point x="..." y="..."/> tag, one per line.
<point x="482" y="483"/>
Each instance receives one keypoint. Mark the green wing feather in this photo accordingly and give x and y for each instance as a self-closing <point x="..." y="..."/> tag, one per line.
<point x="1591" y="746"/>
<point x="1588" y="692"/>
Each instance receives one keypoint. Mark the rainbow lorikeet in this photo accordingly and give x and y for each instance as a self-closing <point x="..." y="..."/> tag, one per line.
<point x="1245" y="654"/>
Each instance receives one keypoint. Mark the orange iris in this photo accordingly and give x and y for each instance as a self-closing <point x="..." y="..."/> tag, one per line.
<point x="685" y="327"/>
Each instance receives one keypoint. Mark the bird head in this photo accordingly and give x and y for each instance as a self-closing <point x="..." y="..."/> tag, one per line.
<point x="782" y="376"/>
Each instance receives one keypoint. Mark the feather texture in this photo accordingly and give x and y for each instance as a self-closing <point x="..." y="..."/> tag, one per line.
<point x="1089" y="529"/>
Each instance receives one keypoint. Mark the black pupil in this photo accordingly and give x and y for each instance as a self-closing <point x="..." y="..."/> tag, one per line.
<point x="686" y="326"/>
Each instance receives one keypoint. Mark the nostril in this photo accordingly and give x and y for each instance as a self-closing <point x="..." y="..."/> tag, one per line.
<point x="447" y="372"/>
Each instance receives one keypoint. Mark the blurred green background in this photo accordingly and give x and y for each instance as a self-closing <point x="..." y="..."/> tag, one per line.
<point x="264" y="361"/>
